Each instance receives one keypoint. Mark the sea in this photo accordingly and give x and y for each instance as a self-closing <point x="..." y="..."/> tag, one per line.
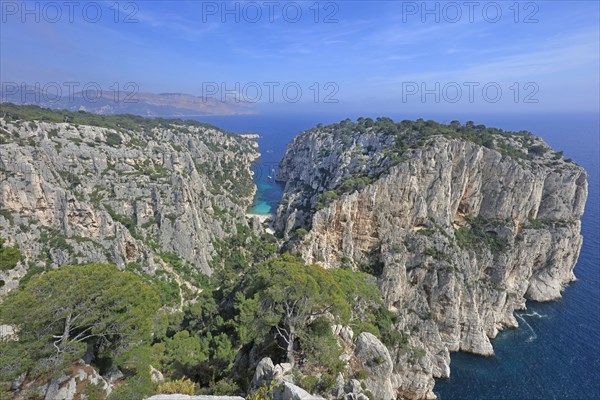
<point x="555" y="352"/>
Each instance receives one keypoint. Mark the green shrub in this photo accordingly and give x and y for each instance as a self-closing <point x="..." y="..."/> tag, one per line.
<point x="426" y="232"/>
<point x="389" y="335"/>
<point x="351" y="184"/>
<point x="535" y="223"/>
<point x="538" y="149"/>
<point x="168" y="290"/>
<point x="55" y="240"/>
<point x="71" y="178"/>
<point x="479" y="234"/>
<point x="419" y="353"/>
<point x="309" y="383"/>
<point x="93" y="392"/>
<point x="320" y="346"/>
<point x="437" y="254"/>
<point x="326" y="198"/>
<point x="374" y="268"/>
<point x="361" y="326"/>
<point x="113" y="139"/>
<point x="300" y="233"/>
<point x="263" y="393"/>
<point x="346" y="262"/>
<point x="326" y="383"/>
<point x="225" y="387"/>
<point x="7" y="215"/>
<point x="32" y="394"/>
<point x="9" y="256"/>
<point x="128" y="222"/>
<point x="361" y="374"/>
<point x="135" y="387"/>
<point x="180" y="386"/>
<point x="31" y="271"/>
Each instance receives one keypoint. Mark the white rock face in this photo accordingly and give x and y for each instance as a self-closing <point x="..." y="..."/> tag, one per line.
<point x="278" y="375"/>
<point x="289" y="391"/>
<point x="375" y="359"/>
<point x="460" y="235"/>
<point x="69" y="386"/>
<point x="71" y="194"/>
<point x="8" y="332"/>
<point x="156" y="376"/>
<point x="264" y="373"/>
<point x="186" y="397"/>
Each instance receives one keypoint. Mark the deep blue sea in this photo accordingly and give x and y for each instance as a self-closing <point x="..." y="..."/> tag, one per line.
<point x="555" y="353"/>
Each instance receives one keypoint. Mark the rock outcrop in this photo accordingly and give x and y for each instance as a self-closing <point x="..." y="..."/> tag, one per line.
<point x="280" y="379"/>
<point x="81" y="380"/>
<point x="460" y="228"/>
<point x="186" y="397"/>
<point x="264" y="373"/>
<point x="131" y="191"/>
<point x="375" y="358"/>
<point x="289" y="391"/>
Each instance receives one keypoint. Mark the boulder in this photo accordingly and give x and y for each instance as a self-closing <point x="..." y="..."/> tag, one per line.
<point x="114" y="374"/>
<point x="289" y="391"/>
<point x="156" y="376"/>
<point x="186" y="397"/>
<point x="347" y="334"/>
<point x="281" y="372"/>
<point x="264" y="373"/>
<point x="69" y="386"/>
<point x="16" y="384"/>
<point x="377" y="362"/>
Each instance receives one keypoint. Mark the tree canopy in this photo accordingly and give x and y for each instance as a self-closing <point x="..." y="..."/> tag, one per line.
<point x="62" y="314"/>
<point x="285" y="295"/>
<point x="274" y="306"/>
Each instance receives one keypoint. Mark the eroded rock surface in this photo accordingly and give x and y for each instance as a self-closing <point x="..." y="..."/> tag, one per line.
<point x="186" y="397"/>
<point x="71" y="194"/>
<point x="460" y="234"/>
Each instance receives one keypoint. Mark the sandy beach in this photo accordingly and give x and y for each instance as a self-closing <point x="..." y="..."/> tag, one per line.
<point x="266" y="220"/>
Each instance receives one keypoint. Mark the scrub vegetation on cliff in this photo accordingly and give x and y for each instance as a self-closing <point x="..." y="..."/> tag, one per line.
<point x="120" y="123"/>
<point x="124" y="243"/>
<point x="78" y="187"/>
<point x="279" y="307"/>
<point x="377" y="145"/>
<point x="459" y="223"/>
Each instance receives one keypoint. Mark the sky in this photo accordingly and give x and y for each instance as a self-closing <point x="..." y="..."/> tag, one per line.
<point x="383" y="56"/>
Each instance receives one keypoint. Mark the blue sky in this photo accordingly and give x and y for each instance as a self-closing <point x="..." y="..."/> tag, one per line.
<point x="372" y="56"/>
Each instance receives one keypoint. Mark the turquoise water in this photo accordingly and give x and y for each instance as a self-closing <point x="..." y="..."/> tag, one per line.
<point x="261" y="208"/>
<point x="275" y="133"/>
<point x="555" y="354"/>
<point x="263" y="203"/>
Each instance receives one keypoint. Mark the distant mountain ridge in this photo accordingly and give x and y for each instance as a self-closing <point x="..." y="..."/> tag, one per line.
<point x="124" y="102"/>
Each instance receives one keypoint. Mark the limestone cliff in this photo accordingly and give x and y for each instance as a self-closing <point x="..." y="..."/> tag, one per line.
<point x="460" y="223"/>
<point x="132" y="191"/>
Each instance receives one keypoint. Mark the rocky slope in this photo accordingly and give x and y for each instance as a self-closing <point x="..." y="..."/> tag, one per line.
<point x="460" y="223"/>
<point x="152" y="195"/>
